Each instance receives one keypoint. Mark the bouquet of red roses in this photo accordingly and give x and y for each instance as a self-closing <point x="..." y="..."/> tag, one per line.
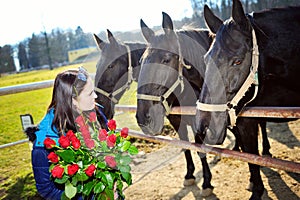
<point x="92" y="162"/>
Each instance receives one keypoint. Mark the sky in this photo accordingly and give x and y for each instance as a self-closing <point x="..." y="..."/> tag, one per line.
<point x="21" y="18"/>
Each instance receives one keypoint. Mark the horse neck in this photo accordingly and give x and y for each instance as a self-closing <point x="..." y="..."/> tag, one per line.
<point x="136" y="52"/>
<point x="269" y="34"/>
<point x="278" y="56"/>
<point x="194" y="56"/>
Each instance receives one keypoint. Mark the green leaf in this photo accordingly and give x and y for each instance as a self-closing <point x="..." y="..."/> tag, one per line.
<point x="124" y="160"/>
<point x="124" y="168"/>
<point x="109" y="192"/>
<point x="99" y="174"/>
<point x="133" y="150"/>
<point x="87" y="188"/>
<point x="104" y="146"/>
<point x="79" y="187"/>
<point x="101" y="165"/>
<point x="81" y="176"/>
<point x="70" y="190"/>
<point x="64" y="197"/>
<point x="61" y="180"/>
<point x="101" y="196"/>
<point x="74" y="180"/>
<point x="120" y="185"/>
<point x="127" y="177"/>
<point x="67" y="155"/>
<point x="125" y="146"/>
<point x="108" y="178"/>
<point x="99" y="187"/>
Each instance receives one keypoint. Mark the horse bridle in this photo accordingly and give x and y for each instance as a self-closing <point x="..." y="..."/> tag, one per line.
<point x="232" y="105"/>
<point x="126" y="86"/>
<point x="179" y="81"/>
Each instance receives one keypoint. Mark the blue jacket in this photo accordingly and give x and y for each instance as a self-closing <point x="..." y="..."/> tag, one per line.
<point x="40" y="163"/>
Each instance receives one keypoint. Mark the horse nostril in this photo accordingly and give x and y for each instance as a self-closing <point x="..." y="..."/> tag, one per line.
<point x="148" y="116"/>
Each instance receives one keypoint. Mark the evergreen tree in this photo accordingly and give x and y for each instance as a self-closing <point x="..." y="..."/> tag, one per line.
<point x="81" y="38"/>
<point x="35" y="51"/>
<point x="22" y="56"/>
<point x="7" y="63"/>
<point x="58" y="45"/>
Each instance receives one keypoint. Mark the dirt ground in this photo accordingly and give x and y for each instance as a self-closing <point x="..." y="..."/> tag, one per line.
<point x="159" y="174"/>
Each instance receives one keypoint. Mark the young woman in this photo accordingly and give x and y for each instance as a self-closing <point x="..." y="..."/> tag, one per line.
<point x="73" y="92"/>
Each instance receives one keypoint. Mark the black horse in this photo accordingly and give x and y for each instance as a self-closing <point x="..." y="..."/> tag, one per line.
<point x="111" y="70"/>
<point x="230" y="78"/>
<point x="117" y="67"/>
<point x="171" y="76"/>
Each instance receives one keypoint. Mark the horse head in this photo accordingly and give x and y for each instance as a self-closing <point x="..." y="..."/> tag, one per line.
<point x="167" y="73"/>
<point x="228" y="66"/>
<point x="114" y="72"/>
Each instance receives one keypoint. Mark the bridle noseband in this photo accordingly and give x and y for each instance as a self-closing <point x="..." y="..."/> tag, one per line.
<point x="126" y="86"/>
<point x="179" y="81"/>
<point x="232" y="105"/>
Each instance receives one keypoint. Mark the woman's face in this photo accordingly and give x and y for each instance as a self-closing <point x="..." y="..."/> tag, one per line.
<point x="86" y="99"/>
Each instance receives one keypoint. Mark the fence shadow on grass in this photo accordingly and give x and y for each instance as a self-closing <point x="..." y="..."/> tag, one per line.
<point x="279" y="186"/>
<point x="21" y="190"/>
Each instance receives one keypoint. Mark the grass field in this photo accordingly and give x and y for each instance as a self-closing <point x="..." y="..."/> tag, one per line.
<point x="16" y="178"/>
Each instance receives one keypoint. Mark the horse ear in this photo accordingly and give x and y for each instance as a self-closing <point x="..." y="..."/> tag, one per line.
<point x="238" y="13"/>
<point x="110" y="37"/>
<point x="212" y="21"/>
<point x="167" y="23"/>
<point x="147" y="32"/>
<point x="99" y="42"/>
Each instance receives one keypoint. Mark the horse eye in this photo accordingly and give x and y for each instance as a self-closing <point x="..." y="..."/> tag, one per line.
<point x="237" y="62"/>
<point x="111" y="65"/>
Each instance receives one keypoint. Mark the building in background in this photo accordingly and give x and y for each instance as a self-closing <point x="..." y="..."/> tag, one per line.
<point x="80" y="53"/>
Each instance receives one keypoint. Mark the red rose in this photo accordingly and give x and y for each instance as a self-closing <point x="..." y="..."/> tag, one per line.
<point x="90" y="143"/>
<point x="102" y="135"/>
<point x="49" y="143"/>
<point x="75" y="143"/>
<point x="80" y="120"/>
<point x="90" y="170"/>
<point x="53" y="157"/>
<point x="64" y="141"/>
<point x="112" y="125"/>
<point x="93" y="117"/>
<point x="72" y="169"/>
<point x="111" y="140"/>
<point x="124" y="132"/>
<point x="110" y="161"/>
<point x="57" y="171"/>
<point x="84" y="130"/>
<point x="70" y="134"/>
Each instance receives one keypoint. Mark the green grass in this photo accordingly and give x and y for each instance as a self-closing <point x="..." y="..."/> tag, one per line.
<point x="16" y="177"/>
<point x="40" y="75"/>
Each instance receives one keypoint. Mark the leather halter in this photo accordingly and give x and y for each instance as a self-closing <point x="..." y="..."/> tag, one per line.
<point x="126" y="86"/>
<point x="179" y="81"/>
<point x="232" y="105"/>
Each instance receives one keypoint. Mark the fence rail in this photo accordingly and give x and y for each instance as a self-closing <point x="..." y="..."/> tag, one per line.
<point x="28" y="87"/>
<point x="270" y="112"/>
<point x="25" y="87"/>
<point x="242" y="156"/>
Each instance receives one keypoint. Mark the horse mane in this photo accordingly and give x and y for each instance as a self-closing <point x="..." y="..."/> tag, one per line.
<point x="278" y="18"/>
<point x="190" y="47"/>
<point x="280" y="12"/>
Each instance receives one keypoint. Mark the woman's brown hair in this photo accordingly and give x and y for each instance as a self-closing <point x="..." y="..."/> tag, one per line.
<point x="63" y="91"/>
